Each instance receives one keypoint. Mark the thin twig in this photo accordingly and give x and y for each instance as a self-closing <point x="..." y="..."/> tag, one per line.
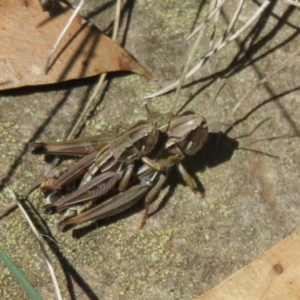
<point x="39" y="240"/>
<point x="58" y="40"/>
<point x="102" y="77"/>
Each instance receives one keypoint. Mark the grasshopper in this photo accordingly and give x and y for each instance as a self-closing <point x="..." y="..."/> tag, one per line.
<point x="100" y="155"/>
<point x="183" y="135"/>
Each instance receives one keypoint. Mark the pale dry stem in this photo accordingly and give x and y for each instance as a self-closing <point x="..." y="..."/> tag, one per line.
<point x="59" y="38"/>
<point x="220" y="44"/>
<point x="40" y="242"/>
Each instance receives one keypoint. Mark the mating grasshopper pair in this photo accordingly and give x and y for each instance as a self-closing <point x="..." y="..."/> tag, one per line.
<point x="122" y="169"/>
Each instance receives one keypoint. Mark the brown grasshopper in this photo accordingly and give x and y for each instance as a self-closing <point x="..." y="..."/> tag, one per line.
<point x="183" y="135"/>
<point x="101" y="156"/>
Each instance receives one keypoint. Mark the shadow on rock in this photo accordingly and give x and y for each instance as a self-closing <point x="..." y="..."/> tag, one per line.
<point x="218" y="149"/>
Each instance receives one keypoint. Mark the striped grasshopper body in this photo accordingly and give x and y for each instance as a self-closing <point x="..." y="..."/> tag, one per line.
<point x="99" y="156"/>
<point x="183" y="135"/>
<point x="140" y="140"/>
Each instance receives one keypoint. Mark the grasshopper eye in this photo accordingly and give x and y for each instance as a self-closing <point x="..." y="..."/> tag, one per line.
<point x="149" y="142"/>
<point x="195" y="139"/>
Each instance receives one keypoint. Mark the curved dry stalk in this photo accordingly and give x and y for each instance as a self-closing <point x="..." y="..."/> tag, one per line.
<point x="52" y="51"/>
<point x="211" y="13"/>
<point x="187" y="66"/>
<point x="39" y="240"/>
<point x="220" y="44"/>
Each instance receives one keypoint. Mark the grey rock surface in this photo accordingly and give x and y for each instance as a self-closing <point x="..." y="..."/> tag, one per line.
<point x="189" y="244"/>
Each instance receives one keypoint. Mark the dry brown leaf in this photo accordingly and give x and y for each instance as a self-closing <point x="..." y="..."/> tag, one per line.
<point x="27" y="34"/>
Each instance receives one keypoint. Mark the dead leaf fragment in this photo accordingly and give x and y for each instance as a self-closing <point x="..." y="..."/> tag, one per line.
<point x="27" y="35"/>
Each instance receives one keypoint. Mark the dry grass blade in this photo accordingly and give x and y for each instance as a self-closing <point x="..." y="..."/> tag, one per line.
<point x="39" y="240"/>
<point x="212" y="11"/>
<point x="62" y="33"/>
<point x="186" y="67"/>
<point x="220" y="44"/>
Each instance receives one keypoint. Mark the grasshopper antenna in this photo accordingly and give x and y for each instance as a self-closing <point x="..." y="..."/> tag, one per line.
<point x="215" y="98"/>
<point x="253" y="130"/>
<point x="149" y="114"/>
<point x="151" y="117"/>
<point x="283" y="136"/>
<point x="259" y="152"/>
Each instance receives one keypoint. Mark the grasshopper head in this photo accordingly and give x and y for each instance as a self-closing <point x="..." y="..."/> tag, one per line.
<point x="149" y="141"/>
<point x="188" y="131"/>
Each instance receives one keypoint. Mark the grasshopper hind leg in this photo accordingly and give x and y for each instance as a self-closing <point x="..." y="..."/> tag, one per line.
<point x="189" y="180"/>
<point x="151" y="196"/>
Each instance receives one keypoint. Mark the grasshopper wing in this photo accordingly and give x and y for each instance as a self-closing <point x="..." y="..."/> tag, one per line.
<point x="110" y="207"/>
<point x="73" y="173"/>
<point x="78" y="147"/>
<point x="98" y="186"/>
